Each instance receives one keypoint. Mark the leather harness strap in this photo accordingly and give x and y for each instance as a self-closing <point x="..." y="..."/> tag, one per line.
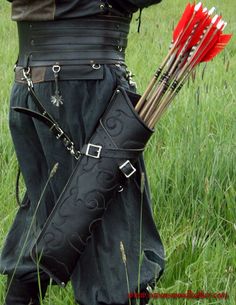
<point x="90" y="149"/>
<point x="67" y="72"/>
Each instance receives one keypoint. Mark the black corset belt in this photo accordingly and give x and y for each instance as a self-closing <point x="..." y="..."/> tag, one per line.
<point x="90" y="40"/>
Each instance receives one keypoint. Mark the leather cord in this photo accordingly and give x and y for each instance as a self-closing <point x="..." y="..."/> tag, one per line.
<point x="47" y="119"/>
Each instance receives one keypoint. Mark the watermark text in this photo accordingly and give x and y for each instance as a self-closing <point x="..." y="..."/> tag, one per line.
<point x="189" y="294"/>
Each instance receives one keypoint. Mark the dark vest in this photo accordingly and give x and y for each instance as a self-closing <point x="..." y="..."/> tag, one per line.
<point x="38" y="10"/>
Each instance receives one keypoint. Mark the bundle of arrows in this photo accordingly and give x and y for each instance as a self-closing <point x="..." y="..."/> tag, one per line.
<point x="198" y="37"/>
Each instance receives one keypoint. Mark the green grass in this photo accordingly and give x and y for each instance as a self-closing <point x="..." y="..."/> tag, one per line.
<point x="190" y="159"/>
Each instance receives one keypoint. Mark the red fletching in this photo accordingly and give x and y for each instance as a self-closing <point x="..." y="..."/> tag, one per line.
<point x="200" y="29"/>
<point x="197" y="19"/>
<point x="189" y="10"/>
<point x="210" y="39"/>
<point x="219" y="46"/>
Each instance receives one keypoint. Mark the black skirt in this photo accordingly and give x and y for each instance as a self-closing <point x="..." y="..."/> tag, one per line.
<point x="100" y="275"/>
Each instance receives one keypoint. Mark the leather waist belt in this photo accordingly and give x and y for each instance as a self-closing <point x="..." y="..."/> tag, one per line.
<point x="90" y="40"/>
<point x="67" y="72"/>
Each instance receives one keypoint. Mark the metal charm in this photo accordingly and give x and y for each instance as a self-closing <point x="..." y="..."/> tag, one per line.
<point x="26" y="74"/>
<point x="129" y="76"/>
<point x="56" y="99"/>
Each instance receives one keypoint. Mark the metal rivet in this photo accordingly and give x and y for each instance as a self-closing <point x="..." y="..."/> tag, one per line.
<point x="120" y="189"/>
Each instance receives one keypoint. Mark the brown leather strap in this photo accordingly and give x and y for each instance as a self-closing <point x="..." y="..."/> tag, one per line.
<point x="67" y="72"/>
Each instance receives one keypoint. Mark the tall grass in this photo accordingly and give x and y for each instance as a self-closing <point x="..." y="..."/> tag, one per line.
<point x="190" y="159"/>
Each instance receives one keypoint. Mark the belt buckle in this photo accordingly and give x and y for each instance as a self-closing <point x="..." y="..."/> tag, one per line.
<point x="96" y="153"/>
<point x="127" y="169"/>
<point x="60" y="132"/>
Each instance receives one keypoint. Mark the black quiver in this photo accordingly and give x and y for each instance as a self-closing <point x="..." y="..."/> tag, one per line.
<point x="104" y="166"/>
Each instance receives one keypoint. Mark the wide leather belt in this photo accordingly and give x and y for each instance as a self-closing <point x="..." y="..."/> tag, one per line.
<point x="90" y="40"/>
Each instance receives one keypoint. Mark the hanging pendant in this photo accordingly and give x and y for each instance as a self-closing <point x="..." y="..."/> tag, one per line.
<point x="56" y="99"/>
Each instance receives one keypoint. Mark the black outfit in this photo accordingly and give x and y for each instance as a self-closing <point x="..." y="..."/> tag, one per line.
<point x="99" y="277"/>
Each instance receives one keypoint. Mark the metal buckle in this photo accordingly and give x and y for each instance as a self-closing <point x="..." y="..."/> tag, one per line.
<point x="129" y="171"/>
<point x="60" y="132"/>
<point x="97" y="151"/>
<point x="74" y="153"/>
<point x="70" y="146"/>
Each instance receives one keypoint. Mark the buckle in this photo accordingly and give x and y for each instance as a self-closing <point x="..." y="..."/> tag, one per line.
<point x="60" y="132"/>
<point x="93" y="151"/>
<point x="58" y="129"/>
<point x="127" y="169"/>
<point x="74" y="153"/>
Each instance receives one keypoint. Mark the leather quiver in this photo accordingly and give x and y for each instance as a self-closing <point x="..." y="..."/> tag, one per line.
<point x="105" y="164"/>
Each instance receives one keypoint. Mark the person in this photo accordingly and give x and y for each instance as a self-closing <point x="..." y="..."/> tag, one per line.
<point x="74" y="52"/>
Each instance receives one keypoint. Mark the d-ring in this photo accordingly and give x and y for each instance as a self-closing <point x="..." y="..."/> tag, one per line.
<point x="96" y="66"/>
<point x="56" y="68"/>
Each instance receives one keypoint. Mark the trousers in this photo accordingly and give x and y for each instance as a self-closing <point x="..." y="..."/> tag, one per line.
<point x="31" y="293"/>
<point x="101" y="276"/>
<point x="23" y="293"/>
